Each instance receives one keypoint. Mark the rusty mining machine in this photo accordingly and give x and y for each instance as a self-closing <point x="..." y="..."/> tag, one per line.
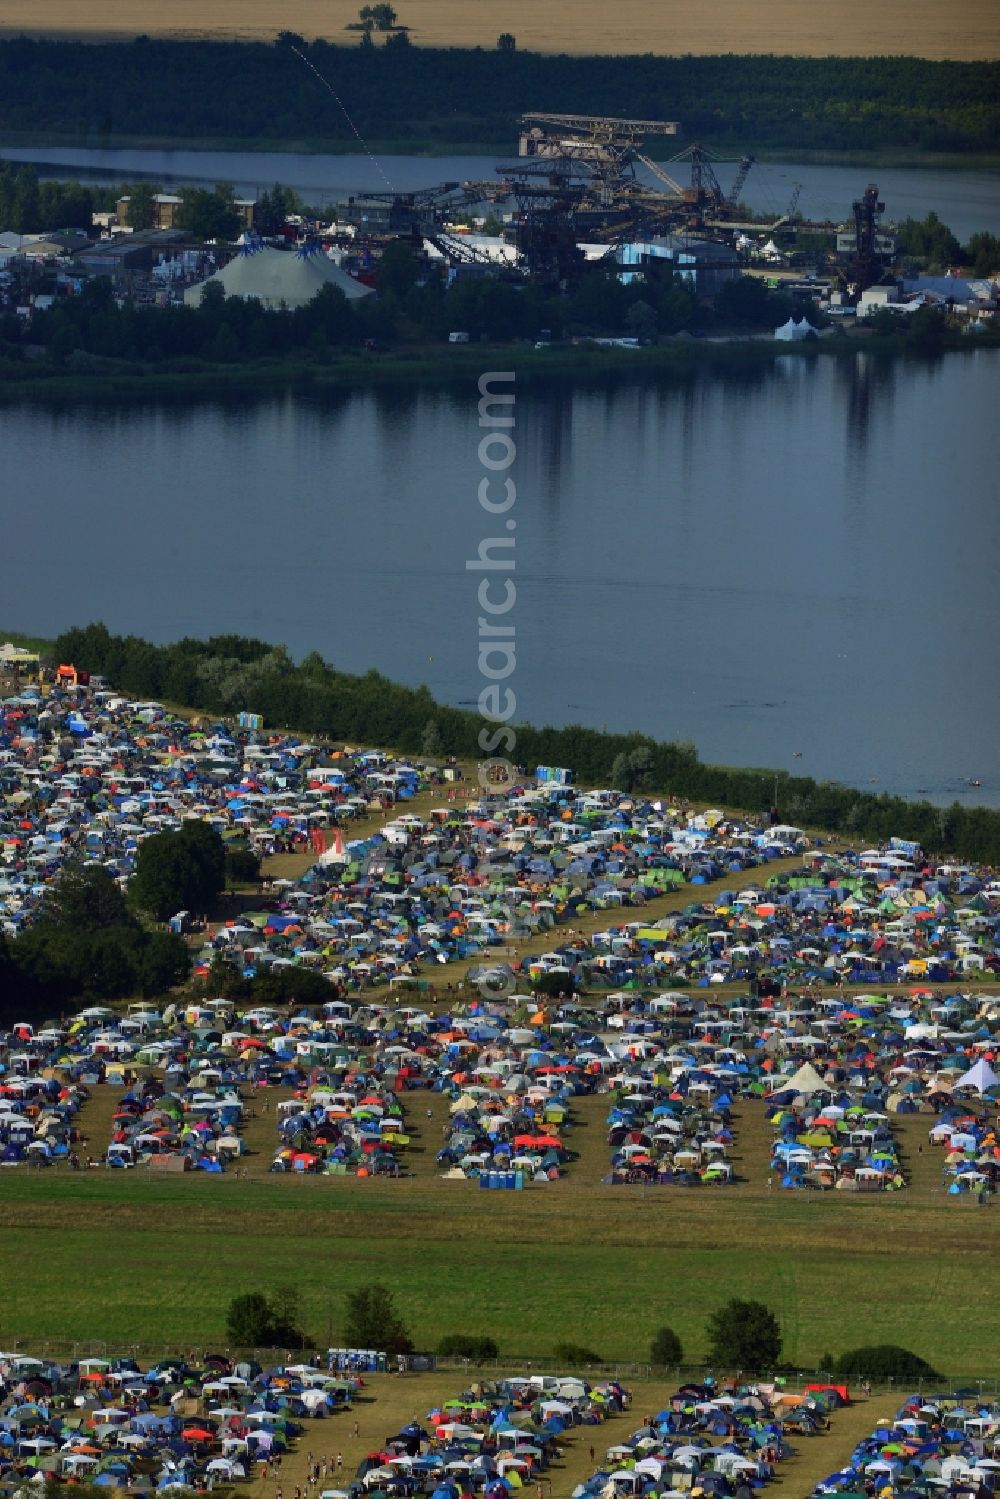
<point x="575" y="179"/>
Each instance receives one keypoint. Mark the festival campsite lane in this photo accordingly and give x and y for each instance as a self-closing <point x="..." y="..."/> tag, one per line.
<point x="389" y="1402"/>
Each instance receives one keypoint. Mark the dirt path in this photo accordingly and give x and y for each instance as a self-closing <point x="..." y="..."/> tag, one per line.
<point x="589" y="1138"/>
<point x="427" y="1135"/>
<point x="751" y="1152"/>
<point x="96" y="1121"/>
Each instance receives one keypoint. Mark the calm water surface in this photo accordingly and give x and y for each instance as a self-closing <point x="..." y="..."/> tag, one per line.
<point x="797" y="559"/>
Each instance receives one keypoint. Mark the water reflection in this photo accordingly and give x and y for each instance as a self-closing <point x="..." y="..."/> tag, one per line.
<point x="727" y="555"/>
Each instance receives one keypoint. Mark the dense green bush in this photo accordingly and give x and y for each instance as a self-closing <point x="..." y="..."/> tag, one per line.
<point x="372" y="1321"/>
<point x="554" y="984"/>
<point x="256" y="1320"/>
<point x="576" y="1353"/>
<point x="744" y="1335"/>
<point x="85" y="945"/>
<point x="666" y="1347"/>
<point x="242" y="865"/>
<point x="179" y="871"/>
<point x="882" y="1361"/>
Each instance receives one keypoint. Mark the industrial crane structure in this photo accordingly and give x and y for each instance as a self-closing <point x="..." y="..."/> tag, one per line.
<point x="576" y="178"/>
<point x="575" y="181"/>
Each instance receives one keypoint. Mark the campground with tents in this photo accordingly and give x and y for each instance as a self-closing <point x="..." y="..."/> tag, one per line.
<point x="200" y="1422"/>
<point x="688" y="1046"/>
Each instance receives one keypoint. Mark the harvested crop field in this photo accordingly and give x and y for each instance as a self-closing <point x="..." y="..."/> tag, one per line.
<point x="965" y="30"/>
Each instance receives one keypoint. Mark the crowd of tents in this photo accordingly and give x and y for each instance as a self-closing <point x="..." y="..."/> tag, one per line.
<point x="87" y="773"/>
<point x="831" y="1075"/>
<point x="171" y="1425"/>
<point x="492" y="1439"/>
<point x="711" y="1442"/>
<point x="495" y="1438"/>
<point x="941" y="1446"/>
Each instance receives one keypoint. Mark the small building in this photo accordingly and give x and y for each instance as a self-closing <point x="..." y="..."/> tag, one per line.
<point x="875" y="298"/>
<point x="390" y="214"/>
<point x="958" y="293"/>
<point x="129" y="252"/>
<point x="705" y="264"/>
<point x="55" y="244"/>
<point x="110" y="256"/>
<point x="165" y="206"/>
<point x="17" y="666"/>
<point x="847" y="245"/>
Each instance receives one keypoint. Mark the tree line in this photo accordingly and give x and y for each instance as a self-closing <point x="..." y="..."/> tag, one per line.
<point x="225" y="674"/>
<point x="88" y="331"/>
<point x="31" y="205"/>
<point x="255" y="92"/>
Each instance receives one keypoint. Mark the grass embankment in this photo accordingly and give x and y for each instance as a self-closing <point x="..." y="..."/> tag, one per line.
<point x="451" y="364"/>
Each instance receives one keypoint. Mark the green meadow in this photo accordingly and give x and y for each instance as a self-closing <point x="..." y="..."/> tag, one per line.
<point x="154" y="1261"/>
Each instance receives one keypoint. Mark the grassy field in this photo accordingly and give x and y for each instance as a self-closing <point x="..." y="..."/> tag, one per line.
<point x="139" y="1258"/>
<point x="848" y="28"/>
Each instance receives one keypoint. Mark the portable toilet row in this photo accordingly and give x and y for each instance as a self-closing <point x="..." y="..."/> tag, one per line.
<point x="356" y="1360"/>
<point x="555" y="774"/>
<point x="502" y="1181"/>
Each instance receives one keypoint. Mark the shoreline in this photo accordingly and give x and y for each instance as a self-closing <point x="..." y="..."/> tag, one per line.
<point x="900" y="158"/>
<point x="825" y="802"/>
<point x="446" y="365"/>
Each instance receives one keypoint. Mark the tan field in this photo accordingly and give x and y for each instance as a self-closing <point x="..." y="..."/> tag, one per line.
<point x="967" y="30"/>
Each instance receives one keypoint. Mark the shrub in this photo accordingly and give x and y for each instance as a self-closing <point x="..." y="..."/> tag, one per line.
<point x="744" y="1335"/>
<point x="666" y="1347"/>
<point x="881" y="1360"/>
<point x="551" y="985"/>
<point x="242" y="865"/>
<point x="468" y="1345"/>
<point x="373" y="1322"/>
<point x="576" y="1353"/>
<point x="255" y="1320"/>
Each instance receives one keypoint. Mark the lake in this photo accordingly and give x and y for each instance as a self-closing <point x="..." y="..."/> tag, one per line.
<point x="965" y="200"/>
<point x="792" y="566"/>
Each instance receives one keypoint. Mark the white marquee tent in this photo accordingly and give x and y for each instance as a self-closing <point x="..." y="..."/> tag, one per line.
<point x="279" y="278"/>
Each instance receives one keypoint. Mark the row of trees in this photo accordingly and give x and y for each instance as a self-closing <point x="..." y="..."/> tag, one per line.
<point x="85" y="332"/>
<point x="31" y="205"/>
<point x="262" y="93"/>
<point x="930" y="244"/>
<point x="261" y="1319"/>
<point x="741" y="1335"/>
<point x="227" y="673"/>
